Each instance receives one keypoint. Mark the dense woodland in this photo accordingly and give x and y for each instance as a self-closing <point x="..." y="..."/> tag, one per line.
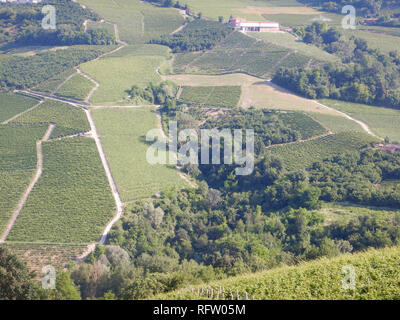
<point x="196" y="36"/>
<point x="366" y="75"/>
<point x="22" y="24"/>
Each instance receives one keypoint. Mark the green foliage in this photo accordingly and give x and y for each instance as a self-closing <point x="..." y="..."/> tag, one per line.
<point x="321" y="279"/>
<point x="25" y="21"/>
<point x="198" y="35"/>
<point x="158" y="94"/>
<point x="16" y="281"/>
<point x="72" y="201"/>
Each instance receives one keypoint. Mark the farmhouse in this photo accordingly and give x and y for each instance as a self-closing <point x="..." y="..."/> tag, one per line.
<point x="258" y="26"/>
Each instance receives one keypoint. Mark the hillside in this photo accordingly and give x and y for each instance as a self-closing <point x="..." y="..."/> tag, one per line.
<point x="377" y="276"/>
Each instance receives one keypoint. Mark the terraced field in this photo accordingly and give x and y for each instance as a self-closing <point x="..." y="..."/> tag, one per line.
<point x="383" y="121"/>
<point x="76" y="88"/>
<point x="298" y="156"/>
<point x="222" y="96"/>
<point x="321" y="279"/>
<point x="68" y="119"/>
<point x="138" y="22"/>
<point x="13" y="104"/>
<point x="72" y="201"/>
<point x="123" y="135"/>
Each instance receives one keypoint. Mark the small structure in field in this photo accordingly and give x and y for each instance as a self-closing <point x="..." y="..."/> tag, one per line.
<point x="389" y="147"/>
<point x="257" y="26"/>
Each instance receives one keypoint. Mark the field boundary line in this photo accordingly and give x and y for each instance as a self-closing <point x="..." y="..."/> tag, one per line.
<point x="93" y="90"/>
<point x="31" y="185"/>
<point x="110" y="178"/>
<point x="62" y="83"/>
<point x="23" y="112"/>
<point x="301" y="140"/>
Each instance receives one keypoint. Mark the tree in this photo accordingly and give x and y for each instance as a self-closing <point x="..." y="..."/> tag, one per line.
<point x="65" y="287"/>
<point x="16" y="281"/>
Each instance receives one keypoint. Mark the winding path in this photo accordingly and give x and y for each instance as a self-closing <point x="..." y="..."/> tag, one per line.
<point x="33" y="182"/>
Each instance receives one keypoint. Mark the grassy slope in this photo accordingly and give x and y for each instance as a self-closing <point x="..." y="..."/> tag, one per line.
<point x="383" y="121"/>
<point x="123" y="133"/>
<point x="222" y="96"/>
<point x="13" y="104"/>
<point x="72" y="202"/>
<point x="377" y="276"/>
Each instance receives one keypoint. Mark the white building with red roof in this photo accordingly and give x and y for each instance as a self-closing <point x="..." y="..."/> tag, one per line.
<point x="257" y="26"/>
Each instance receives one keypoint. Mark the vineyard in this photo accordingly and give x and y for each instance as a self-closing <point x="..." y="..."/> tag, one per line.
<point x="376" y="277"/>
<point x="77" y="88"/>
<point x="50" y="85"/>
<point x="336" y="123"/>
<point x="123" y="133"/>
<point x="298" y="156"/>
<point x="69" y="120"/>
<point x="221" y="96"/>
<point x="383" y="121"/>
<point x="17" y="163"/>
<point x="240" y="53"/>
<point x="13" y="104"/>
<point x="138" y="22"/>
<point x="72" y="201"/>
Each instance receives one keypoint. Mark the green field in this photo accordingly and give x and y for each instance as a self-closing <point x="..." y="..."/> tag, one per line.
<point x="297" y="156"/>
<point x="123" y="133"/>
<point x="138" y="22"/>
<point x="18" y="161"/>
<point x="384" y="42"/>
<point x="383" y="121"/>
<point x="115" y="75"/>
<point x="68" y="119"/>
<point x="13" y="104"/>
<point x="295" y="20"/>
<point x="376" y="277"/>
<point x="223" y="96"/>
<point x="240" y="53"/>
<point x="72" y="201"/>
<point x="336" y="123"/>
<point x="287" y="40"/>
<point x="77" y="88"/>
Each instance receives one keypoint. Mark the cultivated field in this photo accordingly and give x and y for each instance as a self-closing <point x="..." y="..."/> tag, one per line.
<point x="222" y="96"/>
<point x="18" y="158"/>
<point x="72" y="202"/>
<point x="76" y="88"/>
<point x="115" y="75"/>
<point x="68" y="119"/>
<point x="123" y="135"/>
<point x="13" y="104"/>
<point x="297" y="156"/>
<point x="240" y="53"/>
<point x="383" y="121"/>
<point x="384" y="42"/>
<point x="137" y="21"/>
<point x="287" y="40"/>
<point x="53" y="83"/>
<point x="255" y="92"/>
<point x="336" y="124"/>
<point x="321" y="279"/>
